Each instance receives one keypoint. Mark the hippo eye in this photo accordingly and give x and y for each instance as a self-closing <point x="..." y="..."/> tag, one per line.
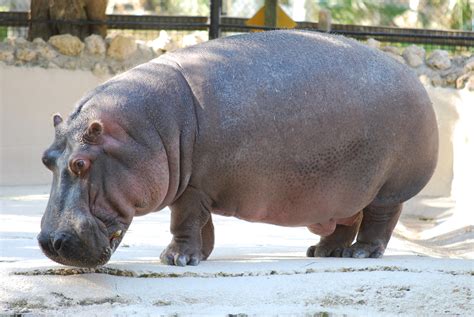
<point x="79" y="166"/>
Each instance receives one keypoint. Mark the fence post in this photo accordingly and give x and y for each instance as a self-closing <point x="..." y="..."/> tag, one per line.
<point x="271" y="13"/>
<point x="325" y="20"/>
<point x="215" y="19"/>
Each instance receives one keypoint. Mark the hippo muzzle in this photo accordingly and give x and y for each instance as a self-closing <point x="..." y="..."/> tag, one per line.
<point x="83" y="241"/>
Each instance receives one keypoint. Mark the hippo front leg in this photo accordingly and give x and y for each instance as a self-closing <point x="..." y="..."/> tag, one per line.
<point x="192" y="229"/>
<point x="375" y="231"/>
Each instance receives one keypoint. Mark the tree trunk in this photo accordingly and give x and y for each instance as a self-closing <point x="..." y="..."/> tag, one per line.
<point x="39" y="10"/>
<point x="43" y="11"/>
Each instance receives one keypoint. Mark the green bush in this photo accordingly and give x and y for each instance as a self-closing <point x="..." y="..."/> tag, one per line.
<point x="3" y="33"/>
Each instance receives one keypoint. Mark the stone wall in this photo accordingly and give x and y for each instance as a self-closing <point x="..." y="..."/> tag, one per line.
<point x="111" y="56"/>
<point x="437" y="68"/>
<point x="119" y="52"/>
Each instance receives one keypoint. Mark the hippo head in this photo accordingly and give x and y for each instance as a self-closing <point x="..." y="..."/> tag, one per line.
<point x="102" y="178"/>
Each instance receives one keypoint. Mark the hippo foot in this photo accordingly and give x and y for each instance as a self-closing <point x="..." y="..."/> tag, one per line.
<point x="173" y="255"/>
<point x="324" y="251"/>
<point x="334" y="244"/>
<point x="364" y="250"/>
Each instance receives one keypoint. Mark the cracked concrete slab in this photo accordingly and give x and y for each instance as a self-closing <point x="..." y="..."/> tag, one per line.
<point x="255" y="269"/>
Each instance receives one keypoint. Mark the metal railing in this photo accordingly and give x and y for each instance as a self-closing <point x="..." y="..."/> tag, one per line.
<point x="216" y="24"/>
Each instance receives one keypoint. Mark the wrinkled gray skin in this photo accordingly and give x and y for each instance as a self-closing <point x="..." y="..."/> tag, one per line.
<point x="288" y="128"/>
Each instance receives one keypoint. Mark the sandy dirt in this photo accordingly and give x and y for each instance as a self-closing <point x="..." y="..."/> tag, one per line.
<point x="255" y="269"/>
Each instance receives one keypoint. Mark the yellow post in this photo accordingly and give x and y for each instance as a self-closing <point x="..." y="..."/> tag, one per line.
<point x="282" y="20"/>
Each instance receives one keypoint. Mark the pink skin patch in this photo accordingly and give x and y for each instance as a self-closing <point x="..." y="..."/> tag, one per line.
<point x="327" y="228"/>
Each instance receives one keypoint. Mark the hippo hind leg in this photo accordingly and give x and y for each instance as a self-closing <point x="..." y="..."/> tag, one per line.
<point x="375" y="231"/>
<point x="334" y="244"/>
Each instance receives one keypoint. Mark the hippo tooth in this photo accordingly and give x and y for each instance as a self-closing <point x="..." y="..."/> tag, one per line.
<point x="117" y="234"/>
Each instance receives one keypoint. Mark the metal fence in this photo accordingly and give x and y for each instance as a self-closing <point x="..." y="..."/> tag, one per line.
<point x="148" y="27"/>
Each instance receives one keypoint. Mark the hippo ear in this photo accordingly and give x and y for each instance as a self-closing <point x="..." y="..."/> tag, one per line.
<point x="57" y="119"/>
<point x="93" y="132"/>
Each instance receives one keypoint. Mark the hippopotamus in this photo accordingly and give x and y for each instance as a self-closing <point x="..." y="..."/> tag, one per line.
<point x="291" y="128"/>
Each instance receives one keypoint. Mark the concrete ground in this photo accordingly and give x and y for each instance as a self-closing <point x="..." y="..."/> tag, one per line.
<point x="255" y="269"/>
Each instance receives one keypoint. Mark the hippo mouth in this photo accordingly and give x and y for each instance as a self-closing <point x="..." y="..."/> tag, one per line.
<point x="115" y="239"/>
<point x="113" y="229"/>
<point x="92" y="248"/>
<point x="82" y="261"/>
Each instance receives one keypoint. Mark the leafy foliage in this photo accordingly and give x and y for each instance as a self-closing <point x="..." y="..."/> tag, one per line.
<point x="173" y="7"/>
<point x="462" y="17"/>
<point x="364" y="11"/>
<point x="3" y="33"/>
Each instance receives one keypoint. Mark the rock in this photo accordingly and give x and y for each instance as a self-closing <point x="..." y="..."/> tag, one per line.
<point x="121" y="47"/>
<point x="413" y="60"/>
<point x="396" y="57"/>
<point x="170" y="41"/>
<point x="52" y="65"/>
<point x="439" y="59"/>
<point x="46" y="52"/>
<point x="117" y="68"/>
<point x="414" y="55"/>
<point x="95" y="45"/>
<point x="100" y="70"/>
<point x="6" y="54"/>
<point x="437" y="81"/>
<point x="175" y="42"/>
<point x="470" y="83"/>
<point x="425" y="80"/>
<point x="469" y="64"/>
<point x="373" y="43"/>
<point x="466" y="80"/>
<point x="70" y="64"/>
<point x="458" y="61"/>
<point x="391" y="49"/>
<point x="192" y="39"/>
<point x="452" y="76"/>
<point x="25" y="54"/>
<point x="145" y="52"/>
<point x="39" y="42"/>
<point x="67" y="44"/>
<point x="160" y="42"/>
<point x="18" y="42"/>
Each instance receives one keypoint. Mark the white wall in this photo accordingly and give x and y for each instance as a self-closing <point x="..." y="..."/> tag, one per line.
<point x="28" y="98"/>
<point x="454" y="174"/>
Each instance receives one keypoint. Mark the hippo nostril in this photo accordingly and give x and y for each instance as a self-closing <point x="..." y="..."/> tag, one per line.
<point x="44" y="241"/>
<point x="59" y="241"/>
